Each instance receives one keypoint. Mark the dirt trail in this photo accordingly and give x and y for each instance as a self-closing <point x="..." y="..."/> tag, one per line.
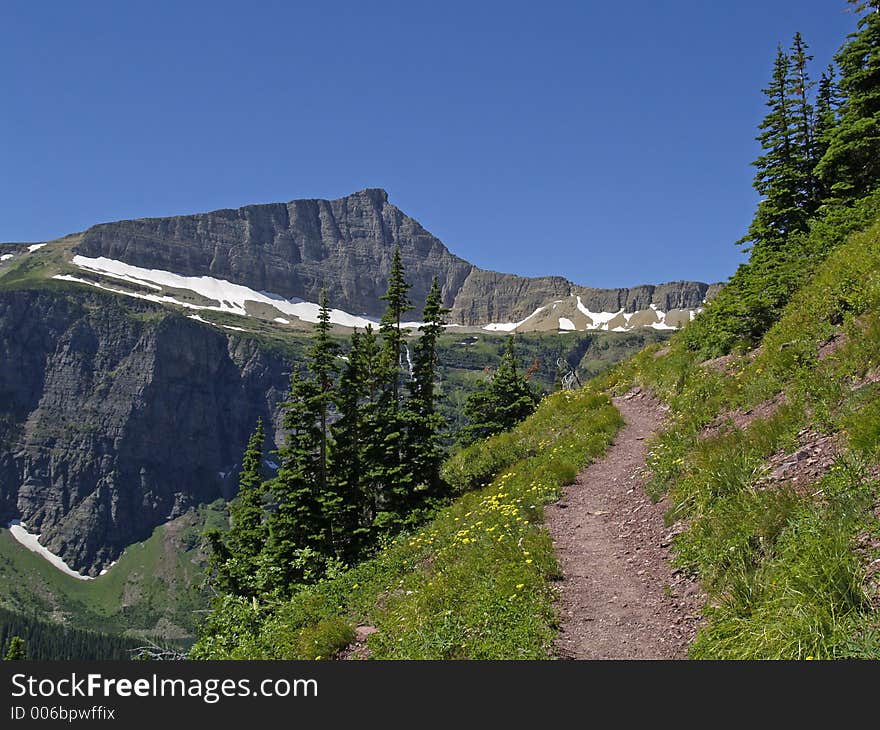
<point x="619" y="597"/>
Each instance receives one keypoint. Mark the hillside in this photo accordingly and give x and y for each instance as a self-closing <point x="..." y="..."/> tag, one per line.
<point x="767" y="465"/>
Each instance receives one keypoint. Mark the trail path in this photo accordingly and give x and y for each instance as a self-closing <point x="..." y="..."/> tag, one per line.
<point x="619" y="597"/>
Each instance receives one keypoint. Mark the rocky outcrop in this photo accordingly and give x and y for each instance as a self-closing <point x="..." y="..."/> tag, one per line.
<point x="118" y="416"/>
<point x="295" y="249"/>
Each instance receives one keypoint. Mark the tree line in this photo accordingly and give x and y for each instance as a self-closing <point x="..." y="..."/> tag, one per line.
<point x="364" y="444"/>
<point x="27" y="637"/>
<point x="817" y="176"/>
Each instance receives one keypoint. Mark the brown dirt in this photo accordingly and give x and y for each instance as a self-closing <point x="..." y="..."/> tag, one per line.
<point x="358" y="649"/>
<point x="831" y="345"/>
<point x="620" y="598"/>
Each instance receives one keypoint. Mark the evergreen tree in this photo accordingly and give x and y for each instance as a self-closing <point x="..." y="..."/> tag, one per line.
<point x="827" y="104"/>
<point x="850" y="167"/>
<point x="350" y="457"/>
<point x="235" y="556"/>
<point x="399" y="304"/>
<point x="425" y="424"/>
<point x="802" y="114"/>
<point x="300" y="531"/>
<point x="17" y="651"/>
<point x="505" y="401"/>
<point x="396" y="476"/>
<point x="780" y="170"/>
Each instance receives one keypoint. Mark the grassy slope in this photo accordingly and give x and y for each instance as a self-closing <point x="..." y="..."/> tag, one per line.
<point x="149" y="592"/>
<point x="472" y="583"/>
<point x="784" y="569"/>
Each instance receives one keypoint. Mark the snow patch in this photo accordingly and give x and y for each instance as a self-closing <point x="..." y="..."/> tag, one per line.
<point x="281" y="320"/>
<point x="510" y="326"/>
<point x="6" y="256"/>
<point x="32" y="542"/>
<point x="234" y="329"/>
<point x="35" y="247"/>
<point x="230" y="298"/>
<point x="566" y="324"/>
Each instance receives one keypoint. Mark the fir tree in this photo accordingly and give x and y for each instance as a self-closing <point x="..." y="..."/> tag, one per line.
<point x="827" y="104"/>
<point x="850" y="167"/>
<point x="17" y="651"/>
<point x="300" y="530"/>
<point x="389" y="326"/>
<point x="802" y="115"/>
<point x="780" y="171"/>
<point x="425" y="424"/>
<point x="235" y="556"/>
<point x="350" y="457"/>
<point x="396" y="476"/>
<point x="499" y="406"/>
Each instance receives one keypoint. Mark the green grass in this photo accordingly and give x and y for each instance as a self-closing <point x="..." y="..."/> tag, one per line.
<point x="784" y="570"/>
<point x="475" y="582"/>
<point x="150" y="592"/>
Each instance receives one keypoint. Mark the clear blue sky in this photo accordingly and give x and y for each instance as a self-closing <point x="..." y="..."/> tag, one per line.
<point x="608" y="142"/>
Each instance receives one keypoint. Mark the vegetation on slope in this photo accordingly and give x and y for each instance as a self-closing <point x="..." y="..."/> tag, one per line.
<point x="472" y="583"/>
<point x="785" y="565"/>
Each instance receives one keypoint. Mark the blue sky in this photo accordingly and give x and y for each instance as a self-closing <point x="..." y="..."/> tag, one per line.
<point x="607" y="142"/>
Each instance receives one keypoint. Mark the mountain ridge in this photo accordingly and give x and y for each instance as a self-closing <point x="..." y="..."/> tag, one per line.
<point x="297" y="248"/>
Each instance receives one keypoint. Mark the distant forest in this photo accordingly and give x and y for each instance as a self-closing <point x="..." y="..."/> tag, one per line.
<point x="47" y="641"/>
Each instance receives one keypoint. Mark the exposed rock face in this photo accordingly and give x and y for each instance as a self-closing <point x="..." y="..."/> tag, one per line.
<point x="674" y="295"/>
<point x="488" y="296"/>
<point x="294" y="249"/>
<point x="114" y="419"/>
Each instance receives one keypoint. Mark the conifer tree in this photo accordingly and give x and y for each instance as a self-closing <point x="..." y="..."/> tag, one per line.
<point x="802" y="115"/>
<point x="235" y="556"/>
<point x="300" y="530"/>
<point x="850" y="167"/>
<point x="17" y="651"/>
<point x="399" y="304"/>
<point x="505" y="401"/>
<point x="396" y="476"/>
<point x="780" y="173"/>
<point x="827" y="104"/>
<point x="350" y="457"/>
<point x="425" y="424"/>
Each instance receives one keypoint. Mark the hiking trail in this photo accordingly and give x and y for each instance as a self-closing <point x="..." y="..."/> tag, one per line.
<point x="619" y="597"/>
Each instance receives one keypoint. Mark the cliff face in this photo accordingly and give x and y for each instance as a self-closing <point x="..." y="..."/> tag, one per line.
<point x="294" y="249"/>
<point x="114" y="419"/>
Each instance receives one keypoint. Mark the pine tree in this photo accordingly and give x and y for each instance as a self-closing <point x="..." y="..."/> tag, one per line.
<point x="17" y="651"/>
<point x="850" y="167"/>
<point x="350" y="432"/>
<point x="396" y="476"/>
<point x="425" y="424"/>
<point x="802" y="114"/>
<point x="389" y="326"/>
<point x="300" y="531"/>
<point x="827" y="104"/>
<point x="499" y="406"/>
<point x="235" y="555"/>
<point x="780" y="172"/>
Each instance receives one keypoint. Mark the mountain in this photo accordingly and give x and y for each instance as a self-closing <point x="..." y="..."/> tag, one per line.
<point x="136" y="357"/>
<point x="293" y="250"/>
